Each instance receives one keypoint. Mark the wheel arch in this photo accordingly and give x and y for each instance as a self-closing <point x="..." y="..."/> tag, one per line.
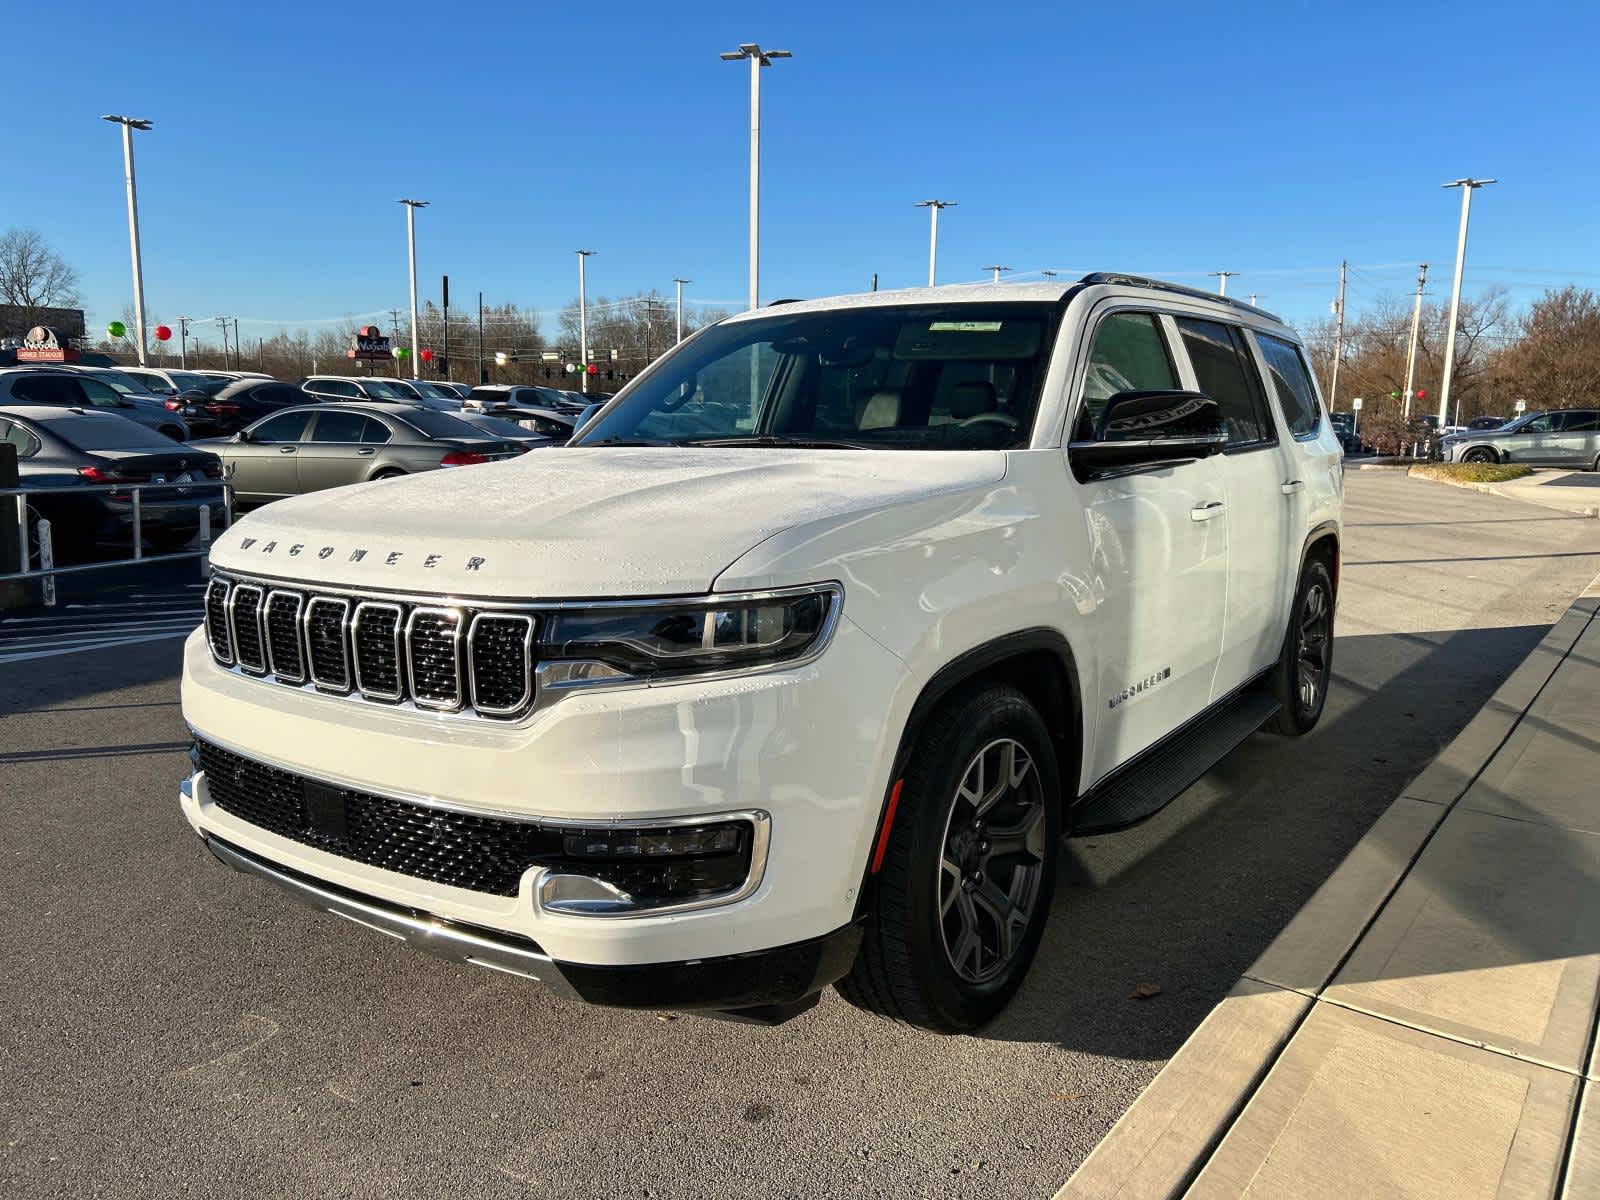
<point x="1322" y="542"/>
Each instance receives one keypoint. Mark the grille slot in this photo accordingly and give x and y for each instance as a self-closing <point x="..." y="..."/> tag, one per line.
<point x="244" y="623"/>
<point x="433" y="654"/>
<point x="284" y="655"/>
<point x="500" y="662"/>
<point x="375" y="635"/>
<point x="217" y="620"/>
<point x="326" y="648"/>
<point x="480" y="854"/>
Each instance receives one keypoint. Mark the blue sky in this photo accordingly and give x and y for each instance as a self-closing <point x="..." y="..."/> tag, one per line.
<point x="1167" y="138"/>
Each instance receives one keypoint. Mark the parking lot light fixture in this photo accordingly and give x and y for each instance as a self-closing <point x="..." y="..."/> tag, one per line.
<point x="129" y="124"/>
<point x="680" y="283"/>
<point x="1468" y="186"/>
<point x="411" y="255"/>
<point x="758" y="58"/>
<point x="933" y="207"/>
<point x="583" y="317"/>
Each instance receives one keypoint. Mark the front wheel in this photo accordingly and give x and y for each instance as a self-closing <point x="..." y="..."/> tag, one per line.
<point x="1479" y="456"/>
<point x="1305" y="666"/>
<point x="969" y="870"/>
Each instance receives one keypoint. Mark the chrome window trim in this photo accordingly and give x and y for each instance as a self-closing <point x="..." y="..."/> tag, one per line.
<point x="344" y="645"/>
<point x="266" y="611"/>
<point x="399" y="653"/>
<point x="530" y="626"/>
<point x="225" y="657"/>
<point x="233" y="626"/>
<point x="417" y="698"/>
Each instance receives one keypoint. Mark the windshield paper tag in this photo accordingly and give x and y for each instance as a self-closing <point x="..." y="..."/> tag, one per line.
<point x="964" y="327"/>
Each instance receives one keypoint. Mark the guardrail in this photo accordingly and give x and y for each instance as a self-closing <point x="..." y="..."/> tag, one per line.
<point x="42" y="534"/>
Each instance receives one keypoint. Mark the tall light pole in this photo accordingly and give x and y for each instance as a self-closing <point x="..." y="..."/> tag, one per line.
<point x="129" y="124"/>
<point x="411" y="255"/>
<point x="183" y="342"/>
<point x="222" y="323"/>
<point x="933" y="207"/>
<point x="1411" y="352"/>
<point x="1338" y="338"/>
<point x="583" y="317"/>
<point x="679" y="283"/>
<point x="758" y="58"/>
<point x="1222" y="280"/>
<point x="1467" y="186"/>
<point x="997" y="270"/>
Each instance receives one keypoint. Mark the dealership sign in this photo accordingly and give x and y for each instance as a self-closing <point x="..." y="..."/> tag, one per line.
<point x="368" y="344"/>
<point x="44" y="344"/>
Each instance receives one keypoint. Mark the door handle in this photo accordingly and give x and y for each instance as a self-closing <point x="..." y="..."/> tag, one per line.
<point x="285" y="449"/>
<point x="1206" y="511"/>
<point x="367" y="451"/>
<point x="1294" y="485"/>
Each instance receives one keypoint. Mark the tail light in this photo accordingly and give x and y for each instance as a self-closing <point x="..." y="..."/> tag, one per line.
<point x="173" y="405"/>
<point x="98" y="475"/>
<point x="461" y="458"/>
<point x="221" y="408"/>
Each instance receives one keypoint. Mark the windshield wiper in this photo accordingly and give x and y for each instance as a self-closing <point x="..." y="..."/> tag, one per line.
<point x="773" y="439"/>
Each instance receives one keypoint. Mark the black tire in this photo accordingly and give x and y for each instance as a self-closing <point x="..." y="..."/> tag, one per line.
<point x="1480" y="455"/>
<point x="906" y="970"/>
<point x="1305" y="665"/>
<point x="389" y="473"/>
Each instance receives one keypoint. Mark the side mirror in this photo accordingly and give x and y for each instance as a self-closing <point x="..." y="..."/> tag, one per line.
<point x="243" y="436"/>
<point x="1144" y="428"/>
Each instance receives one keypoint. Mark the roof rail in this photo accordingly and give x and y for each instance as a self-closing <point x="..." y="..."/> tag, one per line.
<point x="785" y="300"/>
<point x="1161" y="285"/>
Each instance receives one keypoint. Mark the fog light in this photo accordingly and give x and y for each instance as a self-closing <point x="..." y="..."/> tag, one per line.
<point x="618" y="870"/>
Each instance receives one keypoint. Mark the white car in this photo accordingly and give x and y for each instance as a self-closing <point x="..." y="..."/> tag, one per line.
<point x="797" y="666"/>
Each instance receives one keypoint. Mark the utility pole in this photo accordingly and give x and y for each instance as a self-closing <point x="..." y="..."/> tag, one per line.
<point x="997" y="270"/>
<point x="411" y="254"/>
<point x="1222" y="280"/>
<point x="583" y="318"/>
<point x="933" y="207"/>
<point x="444" y="291"/>
<point x="222" y="323"/>
<point x="129" y="124"/>
<point x="1467" y="186"/>
<point x="1411" y="352"/>
<point x="758" y="58"/>
<point x="1338" y="339"/>
<point x="394" y="315"/>
<point x="1252" y="299"/>
<point x="183" y="341"/>
<point x="482" y="378"/>
<point x="238" y="347"/>
<point x="679" y="283"/>
<point x="874" y="281"/>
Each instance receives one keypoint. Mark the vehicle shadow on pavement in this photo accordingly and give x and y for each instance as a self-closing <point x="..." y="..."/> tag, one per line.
<point x="1188" y="900"/>
<point x="51" y="683"/>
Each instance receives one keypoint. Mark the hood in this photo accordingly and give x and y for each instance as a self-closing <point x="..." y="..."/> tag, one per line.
<point x="585" y="522"/>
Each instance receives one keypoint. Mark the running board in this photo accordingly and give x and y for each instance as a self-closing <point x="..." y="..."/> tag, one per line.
<point x="1161" y="774"/>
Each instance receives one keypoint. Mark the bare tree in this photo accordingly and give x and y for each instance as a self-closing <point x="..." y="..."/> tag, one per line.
<point x="33" y="276"/>
<point x="1556" y="362"/>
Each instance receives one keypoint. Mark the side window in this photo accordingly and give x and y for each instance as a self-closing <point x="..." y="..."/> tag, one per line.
<point x="1542" y="424"/>
<point x="1129" y="354"/>
<point x="48" y="389"/>
<point x="1582" y="421"/>
<point x="99" y="394"/>
<point x="375" y="432"/>
<point x="343" y="388"/>
<point x="1292" y="383"/>
<point x="16" y="435"/>
<point x="285" y="427"/>
<point x="336" y="426"/>
<point x="1225" y="373"/>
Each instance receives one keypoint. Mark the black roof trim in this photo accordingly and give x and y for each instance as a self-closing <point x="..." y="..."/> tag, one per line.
<point x="1161" y="285"/>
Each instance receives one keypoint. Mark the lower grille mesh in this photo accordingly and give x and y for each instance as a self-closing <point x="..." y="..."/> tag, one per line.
<point x="480" y="854"/>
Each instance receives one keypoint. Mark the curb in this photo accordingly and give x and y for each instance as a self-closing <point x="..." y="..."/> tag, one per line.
<point x="1169" y="1134"/>
<point x="1510" y="493"/>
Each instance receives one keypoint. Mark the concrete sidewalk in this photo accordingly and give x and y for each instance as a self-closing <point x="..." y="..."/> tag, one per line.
<point x="1576" y="492"/>
<point x="1426" y="1025"/>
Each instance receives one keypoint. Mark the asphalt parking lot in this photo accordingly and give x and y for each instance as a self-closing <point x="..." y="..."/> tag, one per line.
<point x="169" y="1028"/>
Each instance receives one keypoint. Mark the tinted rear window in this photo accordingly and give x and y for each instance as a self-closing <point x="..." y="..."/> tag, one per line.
<point x="103" y="431"/>
<point x="439" y="425"/>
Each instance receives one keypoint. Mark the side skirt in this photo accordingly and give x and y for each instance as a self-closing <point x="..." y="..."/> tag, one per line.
<point x="1143" y="787"/>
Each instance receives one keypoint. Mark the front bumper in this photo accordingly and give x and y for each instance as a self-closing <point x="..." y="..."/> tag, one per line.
<point x="767" y="985"/>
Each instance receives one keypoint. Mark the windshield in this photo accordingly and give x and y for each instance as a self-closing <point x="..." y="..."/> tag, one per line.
<point x="495" y="427"/>
<point x="384" y="390"/>
<point x="432" y="390"/>
<point x="187" y="380"/>
<point x="122" y="383"/>
<point x="924" y="377"/>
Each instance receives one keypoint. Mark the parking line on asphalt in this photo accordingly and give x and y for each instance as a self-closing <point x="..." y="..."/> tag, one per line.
<point x="95" y="645"/>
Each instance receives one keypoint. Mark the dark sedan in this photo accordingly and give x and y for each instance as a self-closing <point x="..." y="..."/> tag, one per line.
<point x="68" y="450"/>
<point x="234" y="404"/>
<point x="311" y="447"/>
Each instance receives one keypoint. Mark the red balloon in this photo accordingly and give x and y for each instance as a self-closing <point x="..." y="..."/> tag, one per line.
<point x="163" y="333"/>
<point x="427" y="356"/>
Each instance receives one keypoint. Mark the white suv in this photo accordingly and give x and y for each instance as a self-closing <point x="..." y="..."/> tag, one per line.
<point x="798" y="665"/>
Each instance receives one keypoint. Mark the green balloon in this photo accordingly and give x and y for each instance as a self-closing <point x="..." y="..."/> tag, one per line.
<point x="401" y="352"/>
<point x="116" y="329"/>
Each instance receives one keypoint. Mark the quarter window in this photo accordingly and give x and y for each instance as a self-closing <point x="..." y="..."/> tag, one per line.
<point x="375" y="432"/>
<point x="1129" y="355"/>
<point x="27" y="445"/>
<point x="1224" y="372"/>
<point x="1292" y="382"/>
<point x="1580" y="422"/>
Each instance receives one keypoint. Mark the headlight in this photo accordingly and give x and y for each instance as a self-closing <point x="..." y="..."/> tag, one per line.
<point x="689" y="637"/>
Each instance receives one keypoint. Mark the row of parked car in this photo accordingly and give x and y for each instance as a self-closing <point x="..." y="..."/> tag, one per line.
<point x="78" y="430"/>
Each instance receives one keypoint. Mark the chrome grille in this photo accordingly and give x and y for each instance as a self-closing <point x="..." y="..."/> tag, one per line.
<point x="391" y="650"/>
<point x="217" y="620"/>
<point x="244" y="623"/>
<point x="284" y="656"/>
<point x="376" y="634"/>
<point x="433" y="642"/>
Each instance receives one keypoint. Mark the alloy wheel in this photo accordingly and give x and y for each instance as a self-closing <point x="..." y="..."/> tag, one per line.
<point x="1313" y="648"/>
<point x="992" y="860"/>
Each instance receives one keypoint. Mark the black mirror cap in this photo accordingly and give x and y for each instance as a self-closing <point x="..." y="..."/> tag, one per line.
<point x="1148" y="428"/>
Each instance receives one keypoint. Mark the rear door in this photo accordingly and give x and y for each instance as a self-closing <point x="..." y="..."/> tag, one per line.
<point x="1255" y="475"/>
<point x="339" y="450"/>
<point x="1577" y="437"/>
<point x="1160" y="550"/>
